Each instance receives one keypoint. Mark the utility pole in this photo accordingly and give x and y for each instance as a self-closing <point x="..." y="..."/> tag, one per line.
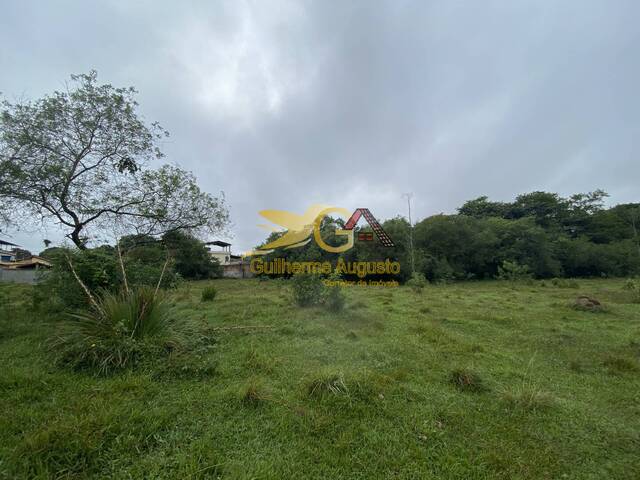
<point x="409" y="196"/>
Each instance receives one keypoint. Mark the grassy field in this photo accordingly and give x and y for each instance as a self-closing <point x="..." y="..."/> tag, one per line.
<point x="472" y="380"/>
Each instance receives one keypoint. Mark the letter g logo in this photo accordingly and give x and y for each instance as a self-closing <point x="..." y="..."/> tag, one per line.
<point x="318" y="236"/>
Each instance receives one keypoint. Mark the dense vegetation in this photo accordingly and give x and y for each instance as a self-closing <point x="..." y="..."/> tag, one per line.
<point x="487" y="380"/>
<point x="540" y="233"/>
<point x="146" y="260"/>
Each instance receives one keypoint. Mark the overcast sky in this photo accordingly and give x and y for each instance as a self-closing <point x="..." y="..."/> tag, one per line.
<point x="285" y="104"/>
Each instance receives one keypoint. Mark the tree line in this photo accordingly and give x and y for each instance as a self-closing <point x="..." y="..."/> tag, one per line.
<point x="540" y="233"/>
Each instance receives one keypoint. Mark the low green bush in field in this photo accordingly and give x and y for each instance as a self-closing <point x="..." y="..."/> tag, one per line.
<point x="513" y="271"/>
<point x="209" y="293"/>
<point x="417" y="282"/>
<point x="633" y="286"/>
<point x="307" y="289"/>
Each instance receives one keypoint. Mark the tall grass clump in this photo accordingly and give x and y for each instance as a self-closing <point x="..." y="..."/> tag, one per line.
<point x="466" y="380"/>
<point x="116" y="333"/>
<point x="527" y="395"/>
<point x="327" y="383"/>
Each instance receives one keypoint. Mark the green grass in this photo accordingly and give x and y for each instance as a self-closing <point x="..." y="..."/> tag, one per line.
<point x="474" y="380"/>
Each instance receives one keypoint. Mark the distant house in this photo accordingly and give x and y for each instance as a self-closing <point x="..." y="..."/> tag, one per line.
<point x="223" y="254"/>
<point x="233" y="266"/>
<point x="7" y="251"/>
<point x="33" y="263"/>
<point x="24" y="270"/>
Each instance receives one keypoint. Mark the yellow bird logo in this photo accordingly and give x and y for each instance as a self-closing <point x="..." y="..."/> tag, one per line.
<point x="299" y="228"/>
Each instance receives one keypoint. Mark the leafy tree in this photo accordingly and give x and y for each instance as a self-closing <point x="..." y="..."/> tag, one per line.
<point x="457" y="245"/>
<point x="513" y="271"/>
<point x="525" y="242"/>
<point x="22" y="254"/>
<point x="588" y="203"/>
<point x="481" y="207"/>
<point x="630" y="214"/>
<point x="80" y="158"/>
<point x="547" y="234"/>
<point x="548" y="209"/>
<point x="191" y="256"/>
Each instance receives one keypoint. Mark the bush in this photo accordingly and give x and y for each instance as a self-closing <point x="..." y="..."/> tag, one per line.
<point x="633" y="286"/>
<point x="438" y="270"/>
<point x="513" y="271"/>
<point x="99" y="270"/>
<point x="209" y="293"/>
<point x="117" y="333"/>
<point x="192" y="258"/>
<point x="308" y="289"/>
<point x="417" y="282"/>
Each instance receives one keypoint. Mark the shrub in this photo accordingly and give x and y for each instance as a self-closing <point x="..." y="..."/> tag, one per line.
<point x="417" y="282"/>
<point x="192" y="258"/>
<point x="117" y="333"/>
<point x="308" y="289"/>
<point x="513" y="271"/>
<point x="209" y="293"/>
<point x="633" y="286"/>
<point x="438" y="269"/>
<point x="99" y="270"/>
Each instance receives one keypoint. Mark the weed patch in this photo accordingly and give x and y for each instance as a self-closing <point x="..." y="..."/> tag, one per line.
<point x="621" y="365"/>
<point x="327" y="384"/>
<point x="467" y="380"/>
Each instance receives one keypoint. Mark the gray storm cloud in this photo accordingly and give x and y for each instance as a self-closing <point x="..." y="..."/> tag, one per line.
<point x="285" y="104"/>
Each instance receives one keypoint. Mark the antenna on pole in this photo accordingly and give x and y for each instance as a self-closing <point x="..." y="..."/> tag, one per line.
<point x="409" y="196"/>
